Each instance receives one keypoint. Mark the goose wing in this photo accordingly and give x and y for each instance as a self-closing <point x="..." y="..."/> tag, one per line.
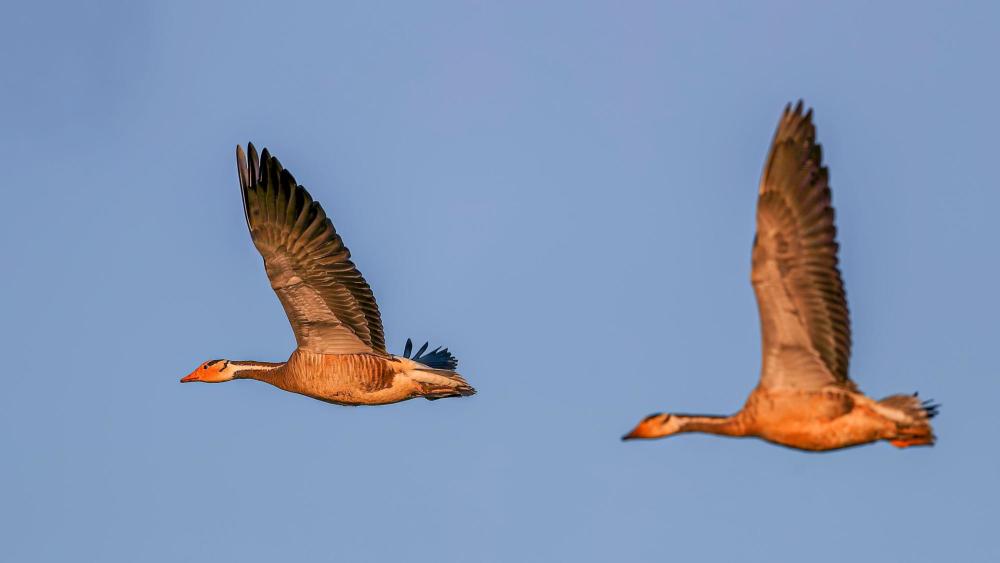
<point x="329" y="305"/>
<point x="805" y="327"/>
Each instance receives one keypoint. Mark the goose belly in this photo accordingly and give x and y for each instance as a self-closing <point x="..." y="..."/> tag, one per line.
<point x="345" y="379"/>
<point x="820" y="421"/>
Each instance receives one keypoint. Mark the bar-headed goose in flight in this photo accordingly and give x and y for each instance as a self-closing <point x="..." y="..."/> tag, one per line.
<point x="341" y="356"/>
<point x="805" y="398"/>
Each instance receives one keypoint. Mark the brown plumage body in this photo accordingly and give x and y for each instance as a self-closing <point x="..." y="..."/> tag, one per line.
<point x="349" y="379"/>
<point x="813" y="420"/>
<point x="805" y="398"/>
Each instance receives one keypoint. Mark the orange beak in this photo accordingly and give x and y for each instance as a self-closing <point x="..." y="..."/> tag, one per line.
<point x="209" y="372"/>
<point x="642" y="430"/>
<point x="193" y="376"/>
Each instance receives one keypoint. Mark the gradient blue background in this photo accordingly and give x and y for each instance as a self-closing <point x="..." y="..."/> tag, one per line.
<point x="564" y="195"/>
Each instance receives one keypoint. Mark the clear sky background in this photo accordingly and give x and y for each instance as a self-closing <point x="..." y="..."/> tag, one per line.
<point x="563" y="193"/>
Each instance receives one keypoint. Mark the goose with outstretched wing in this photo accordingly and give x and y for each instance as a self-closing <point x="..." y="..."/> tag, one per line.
<point x="805" y="398"/>
<point x="341" y="356"/>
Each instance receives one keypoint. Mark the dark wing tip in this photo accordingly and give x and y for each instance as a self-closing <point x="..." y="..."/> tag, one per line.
<point x="241" y="167"/>
<point x="798" y="113"/>
<point x="287" y="179"/>
<point x="795" y="125"/>
<point x="253" y="170"/>
<point x="243" y="171"/>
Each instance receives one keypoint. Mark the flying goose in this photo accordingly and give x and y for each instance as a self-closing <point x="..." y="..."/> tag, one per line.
<point x="341" y="356"/>
<point x="805" y="398"/>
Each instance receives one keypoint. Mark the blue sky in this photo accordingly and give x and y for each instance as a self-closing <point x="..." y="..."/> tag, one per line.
<point x="563" y="193"/>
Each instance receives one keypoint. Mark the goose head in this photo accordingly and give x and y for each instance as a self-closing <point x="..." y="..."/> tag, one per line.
<point x="659" y="425"/>
<point x="215" y="371"/>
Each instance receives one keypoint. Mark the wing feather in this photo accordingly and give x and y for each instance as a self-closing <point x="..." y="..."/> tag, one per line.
<point x="329" y="304"/>
<point x="805" y="325"/>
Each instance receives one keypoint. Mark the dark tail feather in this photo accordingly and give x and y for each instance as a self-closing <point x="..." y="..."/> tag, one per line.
<point x="931" y="408"/>
<point x="913" y="406"/>
<point x="918" y="432"/>
<point x="438" y="358"/>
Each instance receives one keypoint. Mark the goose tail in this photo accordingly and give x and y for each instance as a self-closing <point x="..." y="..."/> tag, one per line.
<point x="435" y="373"/>
<point x="913" y="420"/>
